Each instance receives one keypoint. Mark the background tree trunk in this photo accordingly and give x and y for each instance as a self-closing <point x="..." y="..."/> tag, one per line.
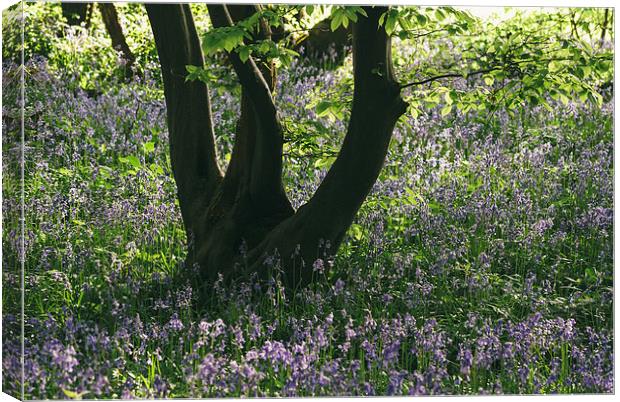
<point x="115" y="30"/>
<point x="74" y="13"/>
<point x="324" y="46"/>
<point x="604" y="25"/>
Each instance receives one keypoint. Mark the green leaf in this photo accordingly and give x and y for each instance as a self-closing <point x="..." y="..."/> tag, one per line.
<point x="264" y="47"/>
<point x="322" y="108"/>
<point x="324" y="162"/>
<point x="554" y="66"/>
<point x="390" y="24"/>
<point x="360" y="10"/>
<point x="148" y="147"/>
<point x="156" y="169"/>
<point x="382" y="18"/>
<point x="405" y="25"/>
<point x="336" y="21"/>
<point x="446" y="110"/>
<point x="131" y="160"/>
<point x="422" y="20"/>
<point x="590" y="275"/>
<point x="356" y="232"/>
<point x="350" y="13"/>
<point x="73" y="394"/>
<point x="534" y="100"/>
<point x="64" y="171"/>
<point x="244" y="53"/>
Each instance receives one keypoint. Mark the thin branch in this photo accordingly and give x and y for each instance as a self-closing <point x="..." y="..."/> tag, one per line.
<point x="512" y="63"/>
<point x="448" y="75"/>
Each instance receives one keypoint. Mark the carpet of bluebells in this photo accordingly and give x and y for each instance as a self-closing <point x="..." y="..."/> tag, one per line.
<point x="481" y="263"/>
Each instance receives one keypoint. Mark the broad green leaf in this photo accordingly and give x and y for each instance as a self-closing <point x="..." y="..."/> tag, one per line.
<point x="244" y="53"/>
<point x="148" y="147"/>
<point x="446" y="110"/>
<point x="390" y="23"/>
<point x="323" y="107"/>
<point x="336" y="21"/>
<point x="131" y="160"/>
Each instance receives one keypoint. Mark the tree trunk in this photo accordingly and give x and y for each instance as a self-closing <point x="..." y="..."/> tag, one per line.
<point x="74" y="13"/>
<point x="249" y="208"/>
<point x="251" y="200"/>
<point x="115" y="30"/>
<point x="604" y="26"/>
<point x="89" y="15"/>
<point x="190" y="127"/>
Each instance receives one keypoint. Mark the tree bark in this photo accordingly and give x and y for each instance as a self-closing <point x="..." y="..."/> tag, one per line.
<point x="251" y="200"/>
<point x="190" y="126"/>
<point x="115" y="30"/>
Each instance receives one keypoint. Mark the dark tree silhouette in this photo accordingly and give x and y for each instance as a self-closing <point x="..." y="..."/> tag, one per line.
<point x="74" y="13"/>
<point x="248" y="204"/>
<point x="322" y="42"/>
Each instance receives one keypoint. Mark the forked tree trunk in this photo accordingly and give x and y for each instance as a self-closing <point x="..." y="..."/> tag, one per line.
<point x="249" y="207"/>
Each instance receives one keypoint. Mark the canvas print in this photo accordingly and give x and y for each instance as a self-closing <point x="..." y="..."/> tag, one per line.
<point x="251" y="200"/>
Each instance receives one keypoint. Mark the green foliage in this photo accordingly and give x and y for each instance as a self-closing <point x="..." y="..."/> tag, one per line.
<point x="244" y="39"/>
<point x="227" y="38"/>
<point x="74" y="51"/>
<point x="408" y="22"/>
<point x="41" y="29"/>
<point x="531" y="58"/>
<point x="341" y="15"/>
<point x="81" y="54"/>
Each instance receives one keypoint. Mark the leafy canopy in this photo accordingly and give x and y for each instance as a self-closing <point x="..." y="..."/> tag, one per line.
<point x="447" y="57"/>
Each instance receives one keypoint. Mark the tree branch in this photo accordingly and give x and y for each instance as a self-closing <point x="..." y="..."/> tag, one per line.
<point x="512" y="63"/>
<point x="448" y="75"/>
<point x="250" y="77"/>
